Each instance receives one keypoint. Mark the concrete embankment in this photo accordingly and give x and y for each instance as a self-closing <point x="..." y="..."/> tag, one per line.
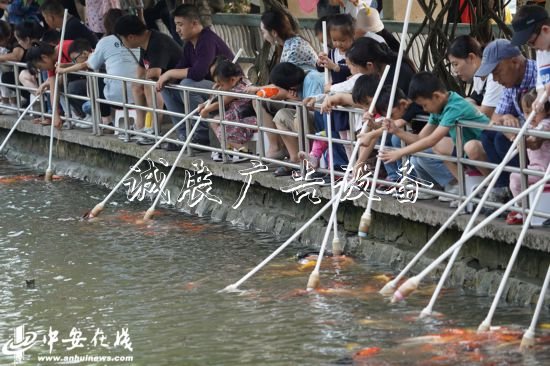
<point x="397" y="233"/>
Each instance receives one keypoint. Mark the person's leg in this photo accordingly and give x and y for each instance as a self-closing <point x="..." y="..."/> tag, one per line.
<point x="174" y="103"/>
<point x="446" y="147"/>
<point x="201" y="133"/>
<point x="432" y="170"/>
<point x="139" y="99"/>
<point x="392" y="169"/>
<point x="515" y="184"/>
<point x="474" y="151"/>
<point x="284" y="120"/>
<point x="265" y="119"/>
<point x="77" y="87"/>
<point x="502" y="145"/>
<point x="489" y="143"/>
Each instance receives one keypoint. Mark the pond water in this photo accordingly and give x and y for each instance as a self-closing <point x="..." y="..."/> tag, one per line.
<point x="149" y="291"/>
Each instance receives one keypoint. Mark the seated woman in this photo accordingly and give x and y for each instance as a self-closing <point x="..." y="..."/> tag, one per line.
<point x="277" y="29"/>
<point x="465" y="54"/>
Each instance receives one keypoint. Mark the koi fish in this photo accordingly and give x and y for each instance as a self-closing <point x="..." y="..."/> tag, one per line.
<point x="367" y="352"/>
<point x="25" y="178"/>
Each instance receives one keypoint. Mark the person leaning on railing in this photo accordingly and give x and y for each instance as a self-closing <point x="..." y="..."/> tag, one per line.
<point x="201" y="48"/>
<point x="159" y="53"/>
<point x="446" y="109"/>
<point x="517" y="74"/>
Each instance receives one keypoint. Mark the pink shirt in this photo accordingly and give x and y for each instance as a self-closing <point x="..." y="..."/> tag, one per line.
<point x="95" y="9"/>
<point x="540" y="158"/>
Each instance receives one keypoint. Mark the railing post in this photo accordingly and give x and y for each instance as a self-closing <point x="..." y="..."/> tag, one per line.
<point x="523" y="177"/>
<point x="460" y="168"/>
<point x="125" y="110"/>
<point x="223" y="142"/>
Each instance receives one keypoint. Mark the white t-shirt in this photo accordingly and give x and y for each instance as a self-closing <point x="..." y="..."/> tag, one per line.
<point x="375" y="36"/>
<point x="118" y="61"/>
<point x="493" y="90"/>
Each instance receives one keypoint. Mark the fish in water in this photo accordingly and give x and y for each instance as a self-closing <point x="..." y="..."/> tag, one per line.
<point x="25" y="178"/>
<point x="366" y="352"/>
<point x="30" y="283"/>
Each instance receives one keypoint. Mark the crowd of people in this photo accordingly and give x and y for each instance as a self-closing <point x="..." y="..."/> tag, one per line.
<point x="123" y="43"/>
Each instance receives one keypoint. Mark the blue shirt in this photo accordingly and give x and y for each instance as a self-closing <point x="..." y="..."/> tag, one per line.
<point x="509" y="102"/>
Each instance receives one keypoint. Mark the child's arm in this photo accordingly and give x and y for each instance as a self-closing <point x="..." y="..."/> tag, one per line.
<point x="16" y="55"/>
<point x="334" y="100"/>
<point x="421" y="144"/>
<point x="64" y="69"/>
<point x="205" y="111"/>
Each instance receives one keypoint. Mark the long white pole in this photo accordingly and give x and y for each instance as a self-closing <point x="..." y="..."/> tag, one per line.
<point x="55" y="109"/>
<point x="410" y="285"/>
<point x="528" y="339"/>
<point x="366" y="218"/>
<point x="428" y="309"/>
<point x="34" y="98"/>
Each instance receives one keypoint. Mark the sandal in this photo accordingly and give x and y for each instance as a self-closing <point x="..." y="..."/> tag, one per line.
<point x="43" y="121"/>
<point x="514" y="218"/>
<point x="282" y="171"/>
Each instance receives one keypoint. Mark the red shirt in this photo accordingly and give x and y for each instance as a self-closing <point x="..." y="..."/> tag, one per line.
<point x="65" y="59"/>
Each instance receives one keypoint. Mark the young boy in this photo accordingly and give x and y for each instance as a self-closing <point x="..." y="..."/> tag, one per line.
<point x="405" y="111"/>
<point x="446" y="109"/>
<point x="294" y="85"/>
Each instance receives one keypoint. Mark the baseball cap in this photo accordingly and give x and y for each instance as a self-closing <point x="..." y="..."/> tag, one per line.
<point x="496" y="51"/>
<point x="525" y="22"/>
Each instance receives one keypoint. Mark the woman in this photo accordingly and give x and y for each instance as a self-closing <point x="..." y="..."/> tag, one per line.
<point x="277" y="29"/>
<point x="465" y="55"/>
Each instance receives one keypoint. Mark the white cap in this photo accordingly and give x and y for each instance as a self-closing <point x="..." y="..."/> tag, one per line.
<point x="369" y="20"/>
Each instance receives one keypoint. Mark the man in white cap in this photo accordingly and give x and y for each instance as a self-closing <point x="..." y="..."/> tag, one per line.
<point x="518" y="75"/>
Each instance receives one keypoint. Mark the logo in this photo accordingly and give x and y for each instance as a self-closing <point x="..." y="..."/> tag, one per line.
<point x="20" y="342"/>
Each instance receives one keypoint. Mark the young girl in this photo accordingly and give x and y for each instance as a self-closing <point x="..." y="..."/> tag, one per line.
<point x="538" y="151"/>
<point x="229" y="77"/>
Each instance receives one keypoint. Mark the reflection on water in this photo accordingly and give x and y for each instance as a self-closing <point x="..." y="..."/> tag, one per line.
<point x="159" y="280"/>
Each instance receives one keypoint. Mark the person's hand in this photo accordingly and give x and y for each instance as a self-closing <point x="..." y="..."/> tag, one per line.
<point x="389" y="125"/>
<point x="389" y="155"/>
<point x="510" y="121"/>
<point x="57" y="122"/>
<point x="60" y="70"/>
<point x="204" y="113"/>
<point x="251" y="89"/>
<point x="365" y="138"/>
<point x="325" y="61"/>
<point x="368" y="118"/>
<point x="309" y="103"/>
<point x="161" y="82"/>
<point x="42" y="88"/>
<point x="326" y="88"/>
<point x="327" y="105"/>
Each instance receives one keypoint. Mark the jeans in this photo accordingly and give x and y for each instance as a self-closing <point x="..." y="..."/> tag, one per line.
<point x="496" y="145"/>
<point x="392" y="169"/>
<point x="174" y="103"/>
<point x="431" y="169"/>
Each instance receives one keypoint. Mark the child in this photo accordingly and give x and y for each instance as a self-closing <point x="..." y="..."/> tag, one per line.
<point x="446" y="109"/>
<point x="9" y="51"/>
<point x="538" y="151"/>
<point x="229" y="77"/>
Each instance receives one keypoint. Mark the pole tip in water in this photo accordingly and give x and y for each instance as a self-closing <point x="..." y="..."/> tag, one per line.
<point x="230" y="288"/>
<point x="148" y="214"/>
<point x="425" y="313"/>
<point x="527" y="341"/>
<point x="48" y="176"/>
<point x="388" y="289"/>
<point x="407" y="288"/>
<point x="485" y="326"/>
<point x="337" y="247"/>
<point x="96" y="210"/>
<point x="313" y="281"/>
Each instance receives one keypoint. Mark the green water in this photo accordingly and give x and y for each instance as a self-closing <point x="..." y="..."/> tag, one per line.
<point x="160" y="281"/>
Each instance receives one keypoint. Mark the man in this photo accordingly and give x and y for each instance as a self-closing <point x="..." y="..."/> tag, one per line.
<point x="202" y="46"/>
<point x="159" y="53"/>
<point x="53" y="11"/>
<point x="532" y="27"/>
<point x="518" y="75"/>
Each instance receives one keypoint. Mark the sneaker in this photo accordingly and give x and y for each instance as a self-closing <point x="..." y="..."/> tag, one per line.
<point x="514" y="218"/>
<point x="10" y="112"/>
<point x="451" y="189"/>
<point x="216" y="156"/>
<point x="385" y="189"/>
<point x="122" y="136"/>
<point x="145" y="141"/>
<point x="234" y="159"/>
<point x="500" y="195"/>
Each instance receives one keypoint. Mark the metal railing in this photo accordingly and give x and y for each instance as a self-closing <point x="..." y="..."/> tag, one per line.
<point x="305" y="138"/>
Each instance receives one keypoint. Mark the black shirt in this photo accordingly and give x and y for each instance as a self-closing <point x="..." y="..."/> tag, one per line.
<point x="75" y="29"/>
<point x="162" y="52"/>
